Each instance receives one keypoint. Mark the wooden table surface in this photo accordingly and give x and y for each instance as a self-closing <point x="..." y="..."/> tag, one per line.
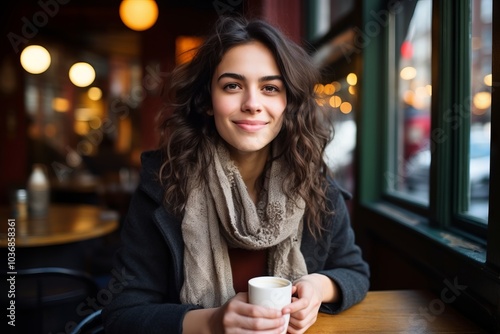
<point x="403" y="311"/>
<point x="65" y="223"/>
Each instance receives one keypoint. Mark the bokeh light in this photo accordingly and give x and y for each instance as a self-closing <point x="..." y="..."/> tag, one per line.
<point x="345" y="107"/>
<point x="329" y="89"/>
<point x="94" y="93"/>
<point x="82" y="74"/>
<point x="408" y="73"/>
<point x="139" y="15"/>
<point x="319" y="88"/>
<point x="352" y="79"/>
<point x="488" y="80"/>
<point x="335" y="101"/>
<point x="35" y="59"/>
<point x="60" y="104"/>
<point x="482" y="100"/>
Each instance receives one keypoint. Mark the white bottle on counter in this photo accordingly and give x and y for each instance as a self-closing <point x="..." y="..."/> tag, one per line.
<point x="38" y="192"/>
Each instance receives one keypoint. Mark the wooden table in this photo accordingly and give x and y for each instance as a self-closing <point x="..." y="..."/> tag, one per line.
<point x="404" y="311"/>
<point x="64" y="224"/>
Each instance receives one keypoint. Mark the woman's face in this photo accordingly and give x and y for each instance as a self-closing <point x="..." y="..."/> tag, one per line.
<point x="248" y="98"/>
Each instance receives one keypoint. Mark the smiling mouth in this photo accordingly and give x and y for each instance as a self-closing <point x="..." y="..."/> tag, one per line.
<point x="250" y="126"/>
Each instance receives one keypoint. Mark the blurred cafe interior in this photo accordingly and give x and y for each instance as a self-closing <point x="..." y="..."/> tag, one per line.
<point x="410" y="85"/>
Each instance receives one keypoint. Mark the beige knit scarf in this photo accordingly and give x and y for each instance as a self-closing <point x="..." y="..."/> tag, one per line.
<point x="221" y="215"/>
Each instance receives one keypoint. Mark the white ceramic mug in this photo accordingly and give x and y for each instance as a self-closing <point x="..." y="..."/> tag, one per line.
<point x="272" y="292"/>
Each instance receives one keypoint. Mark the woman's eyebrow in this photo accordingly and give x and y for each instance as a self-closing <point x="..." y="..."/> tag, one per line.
<point x="242" y="77"/>
<point x="231" y="75"/>
<point x="271" y="78"/>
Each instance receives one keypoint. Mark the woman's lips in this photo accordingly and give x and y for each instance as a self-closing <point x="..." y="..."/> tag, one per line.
<point x="250" y="126"/>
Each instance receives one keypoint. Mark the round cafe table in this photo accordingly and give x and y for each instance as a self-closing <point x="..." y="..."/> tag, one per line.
<point x="65" y="223"/>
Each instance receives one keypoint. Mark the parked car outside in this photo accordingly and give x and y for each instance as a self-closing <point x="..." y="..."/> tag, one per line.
<point x="418" y="168"/>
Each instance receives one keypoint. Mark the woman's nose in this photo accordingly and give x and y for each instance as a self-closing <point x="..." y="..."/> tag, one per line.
<point x="251" y="102"/>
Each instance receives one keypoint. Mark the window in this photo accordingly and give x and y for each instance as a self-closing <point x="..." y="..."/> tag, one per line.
<point x="455" y="122"/>
<point x="410" y="117"/>
<point x="425" y="192"/>
<point x="330" y="34"/>
<point x="480" y="90"/>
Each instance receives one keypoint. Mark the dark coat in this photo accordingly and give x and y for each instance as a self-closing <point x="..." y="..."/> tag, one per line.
<point x="150" y="263"/>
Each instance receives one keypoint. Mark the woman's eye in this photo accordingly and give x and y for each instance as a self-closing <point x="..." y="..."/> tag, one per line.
<point x="231" y="86"/>
<point x="271" y="89"/>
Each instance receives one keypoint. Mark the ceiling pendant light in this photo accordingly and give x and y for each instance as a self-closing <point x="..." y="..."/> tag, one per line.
<point x="139" y="15"/>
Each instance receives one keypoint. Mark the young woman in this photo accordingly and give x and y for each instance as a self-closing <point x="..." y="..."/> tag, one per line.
<point x="238" y="189"/>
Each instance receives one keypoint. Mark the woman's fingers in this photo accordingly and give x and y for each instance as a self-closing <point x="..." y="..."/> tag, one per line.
<point x="241" y="315"/>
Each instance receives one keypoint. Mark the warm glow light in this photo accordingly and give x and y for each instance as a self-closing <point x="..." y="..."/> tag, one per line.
<point x="35" y="59"/>
<point x="185" y="48"/>
<point x="409" y="97"/>
<point x="421" y="92"/>
<point x="329" y="89"/>
<point x="337" y="86"/>
<point x="352" y="79"/>
<point x="429" y="89"/>
<point x="419" y="98"/>
<point x="408" y="73"/>
<point x="482" y="100"/>
<point x="94" y="93"/>
<point x="95" y="123"/>
<point x="352" y="90"/>
<point x="488" y="80"/>
<point x="345" y="107"/>
<point x="335" y="101"/>
<point x="83" y="114"/>
<point x="82" y="74"/>
<point x="319" y="88"/>
<point x="421" y="103"/>
<point x="139" y="15"/>
<point x="60" y="104"/>
<point x="81" y="128"/>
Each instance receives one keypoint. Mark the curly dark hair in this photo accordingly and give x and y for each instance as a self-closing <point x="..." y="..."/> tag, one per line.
<point x="188" y="135"/>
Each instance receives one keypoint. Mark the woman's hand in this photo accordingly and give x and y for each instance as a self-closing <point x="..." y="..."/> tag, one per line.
<point x="238" y="316"/>
<point x="310" y="291"/>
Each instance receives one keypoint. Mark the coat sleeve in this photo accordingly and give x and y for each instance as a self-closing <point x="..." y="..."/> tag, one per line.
<point x="145" y="299"/>
<point x="336" y="255"/>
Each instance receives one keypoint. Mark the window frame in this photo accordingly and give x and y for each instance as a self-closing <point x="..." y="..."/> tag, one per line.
<point x="423" y="234"/>
<point x="493" y="251"/>
<point x="450" y="130"/>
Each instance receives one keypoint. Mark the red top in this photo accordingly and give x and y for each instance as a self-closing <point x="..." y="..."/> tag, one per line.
<point x="247" y="264"/>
